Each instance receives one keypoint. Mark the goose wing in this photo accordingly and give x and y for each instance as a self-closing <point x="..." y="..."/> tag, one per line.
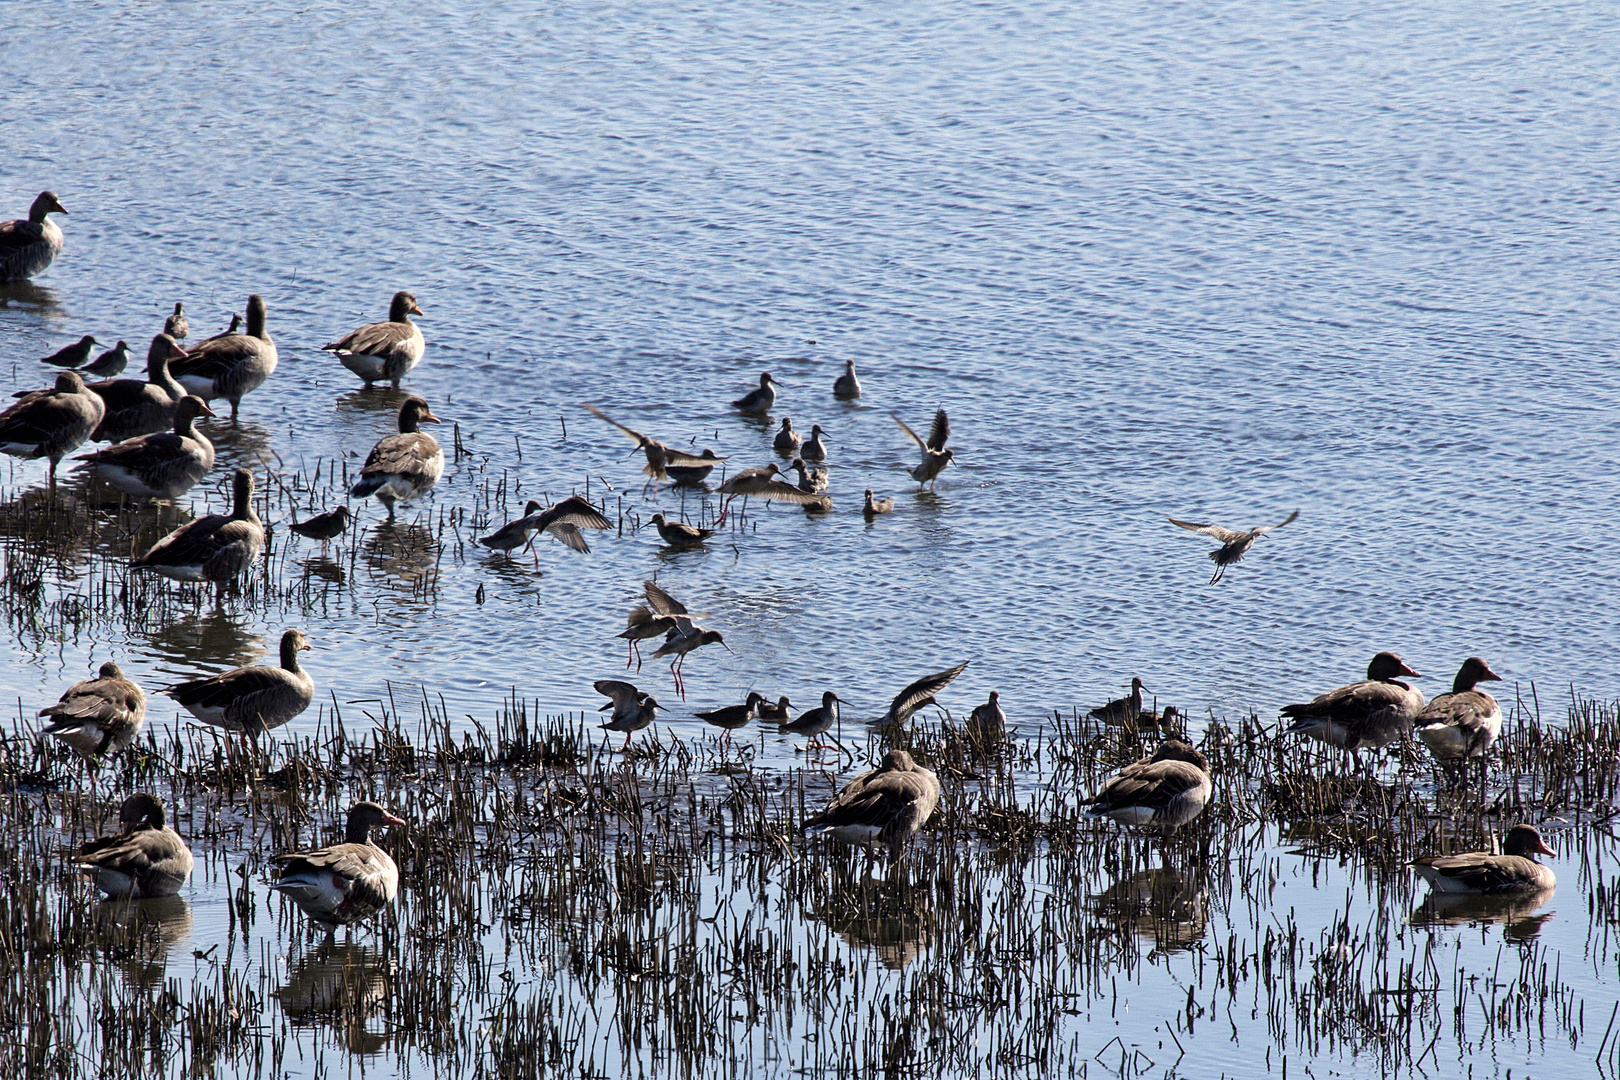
<point x="240" y="689"/>
<point x="404" y="454"/>
<point x="880" y="799"/>
<point x="1153" y="785"/>
<point x="214" y="357"/>
<point x="373" y="339"/>
<point x="192" y="543"/>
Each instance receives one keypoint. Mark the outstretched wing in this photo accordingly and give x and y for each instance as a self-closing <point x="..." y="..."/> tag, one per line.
<point x="624" y="694"/>
<point x="1225" y="536"/>
<point x="939" y="432"/>
<point x="600" y="415"/>
<point x="912" y="435"/>
<point x="568" y="535"/>
<point x="1288" y="520"/>
<point x="661" y="602"/>
<point x="575" y="511"/>
<point x="921" y="693"/>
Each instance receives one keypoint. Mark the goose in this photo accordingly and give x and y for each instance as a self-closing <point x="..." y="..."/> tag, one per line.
<point x="887" y="805"/>
<point x="875" y="506"/>
<point x="661" y="458"/>
<point x="1482" y="873"/>
<point x="251" y="700"/>
<point x="1123" y="710"/>
<point x="760" y="400"/>
<point x="98" y="716"/>
<point x="916" y="696"/>
<point x="73" y="356"/>
<point x="176" y="325"/>
<point x="847" y="386"/>
<point x="632" y="710"/>
<point x="1464" y="723"/>
<point x="1166" y="790"/>
<point x="323" y="527"/>
<point x="110" y="363"/>
<point x="163" y="465"/>
<point x="28" y="247"/>
<point x="232" y="366"/>
<point x="146" y="859"/>
<point x="562" y="522"/>
<point x="346" y="883"/>
<point x="934" y="455"/>
<point x="679" y="533"/>
<point x="812" y="480"/>
<point x="1372" y="713"/>
<point x="818" y="721"/>
<point x="51" y="424"/>
<point x="403" y="467"/>
<point x="694" y="474"/>
<point x="141" y="407"/>
<point x="815" y="447"/>
<point x="787" y="441"/>
<point x="216" y="548"/>
<point x="1234" y="543"/>
<point x="732" y="717"/>
<point x="383" y="350"/>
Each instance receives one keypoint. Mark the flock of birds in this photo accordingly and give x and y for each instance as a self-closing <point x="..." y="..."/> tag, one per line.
<point x="157" y="451"/>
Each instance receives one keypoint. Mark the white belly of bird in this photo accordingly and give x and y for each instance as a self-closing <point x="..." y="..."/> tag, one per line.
<point x="1128" y="815"/>
<point x="853" y="834"/>
<point x="1455" y="742"/>
<point x="1440" y="882"/>
<point x="319" y="892"/>
<point x="22" y="450"/>
<point x="364" y="365"/>
<point x="115" y="883"/>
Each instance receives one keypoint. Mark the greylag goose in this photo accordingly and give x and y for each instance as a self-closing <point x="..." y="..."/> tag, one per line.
<point x="163" y="465"/>
<point x="1125" y="710"/>
<point x="73" y="356"/>
<point x="1464" y="723"/>
<point x="988" y="722"/>
<point x="679" y="533"/>
<point x="141" y="407"/>
<point x="885" y="806"/>
<point x="232" y="366"/>
<point x="916" y="696"/>
<point x="252" y="700"/>
<point x="815" y="447"/>
<point x="660" y="457"/>
<point x="732" y="717"/>
<point x="216" y="548"/>
<point x="28" y="247"/>
<point x="176" y="325"/>
<point x="875" y="506"/>
<point x="818" y="721"/>
<point x="51" y="424"/>
<point x="346" y="883"/>
<point x="632" y="710"/>
<point x="934" y="455"/>
<point x="323" y="527"/>
<point x="847" y="387"/>
<point x="694" y="474"/>
<point x="1481" y="873"/>
<point x="787" y="441"/>
<point x="145" y="859"/>
<point x="779" y="711"/>
<point x="1166" y="790"/>
<point x="383" y="350"/>
<point x="1234" y="544"/>
<point x="98" y="716"/>
<point x="403" y="467"/>
<point x="759" y="400"/>
<point x="812" y="480"/>
<point x="110" y="363"/>
<point x="1372" y="713"/>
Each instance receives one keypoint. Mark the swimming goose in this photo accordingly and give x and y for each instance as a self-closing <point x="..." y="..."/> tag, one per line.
<point x="109" y="363"/>
<point x="679" y="533"/>
<point x="1464" y="723"/>
<point x="732" y="717"/>
<point x="215" y="548"/>
<point x="874" y="506"/>
<point x="403" y="467"/>
<point x="346" y="883"/>
<point x="847" y="387"/>
<point x="163" y="465"/>
<point x="815" y="447"/>
<point x="73" y="356"/>
<point x="141" y="407"/>
<point x="632" y="710"/>
<point x="760" y="400"/>
<point x="810" y="479"/>
<point x="818" y="721"/>
<point x="28" y="247"/>
<point x="660" y="457"/>
<point x="231" y="366"/>
<point x="1372" y="713"/>
<point x="1167" y="790"/>
<point x="916" y="696"/>
<point x="885" y="806"/>
<point x="1234" y="544"/>
<point x="694" y="474"/>
<point x="252" y="700"/>
<point x="98" y="716"/>
<point x="323" y="527"/>
<point x="176" y="325"/>
<point x="934" y="455"/>
<point x="145" y="859"/>
<point x="1482" y="873"/>
<point x="383" y="350"/>
<point x="1121" y="710"/>
<point x="51" y="424"/>
<point x="787" y="440"/>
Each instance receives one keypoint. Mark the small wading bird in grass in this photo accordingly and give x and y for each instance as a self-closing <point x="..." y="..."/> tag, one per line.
<point x="732" y="717"/>
<point x="818" y="721"/>
<point x="632" y="710"/>
<point x="1234" y="544"/>
<point x="1123" y="710"/>
<point x="562" y="522"/>
<point x="916" y="696"/>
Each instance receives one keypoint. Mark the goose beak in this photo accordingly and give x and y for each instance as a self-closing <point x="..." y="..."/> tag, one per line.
<point x="1543" y="849"/>
<point x="430" y="418"/>
<point x="390" y="819"/>
<point x="417" y="311"/>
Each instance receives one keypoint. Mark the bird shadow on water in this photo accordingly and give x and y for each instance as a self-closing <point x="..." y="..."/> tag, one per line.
<point x="27" y="294"/>
<point x="206" y="640"/>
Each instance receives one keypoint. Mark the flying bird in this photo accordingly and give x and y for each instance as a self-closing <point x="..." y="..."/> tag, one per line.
<point x="916" y="696"/>
<point x="934" y="455"/>
<point x="660" y="456"/>
<point x="1234" y="544"/>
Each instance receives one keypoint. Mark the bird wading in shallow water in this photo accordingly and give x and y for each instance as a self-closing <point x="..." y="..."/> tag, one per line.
<point x="934" y="455"/>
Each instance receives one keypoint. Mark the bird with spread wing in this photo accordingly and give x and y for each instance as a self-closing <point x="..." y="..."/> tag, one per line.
<point x="1234" y="544"/>
<point x="659" y="455"/>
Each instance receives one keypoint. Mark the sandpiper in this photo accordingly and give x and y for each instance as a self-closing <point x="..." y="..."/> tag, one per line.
<point x="787" y="440"/>
<point x="660" y="457"/>
<point x="988" y="722"/>
<point x="1125" y="710"/>
<point x="632" y="710"/>
<point x="815" y="447"/>
<point x="847" y="387"/>
<point x="75" y="355"/>
<point x="562" y="521"/>
<point x="760" y="400"/>
<point x="176" y="325"/>
<point x="109" y="363"/>
<point x="1234" y="544"/>
<point x="694" y="474"/>
<point x="818" y="721"/>
<point x="875" y="506"/>
<point x="811" y="479"/>
<point x="778" y="712"/>
<point x="934" y="455"/>
<point x="323" y="527"/>
<point x="763" y="483"/>
<point x="679" y="533"/>
<point x="732" y="717"/>
<point x="917" y="695"/>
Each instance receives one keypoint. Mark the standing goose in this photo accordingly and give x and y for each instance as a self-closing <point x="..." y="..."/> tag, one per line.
<point x="815" y="447"/>
<point x="818" y="721"/>
<point x="145" y="859"/>
<point x="176" y="325"/>
<point x="1166" y="790"/>
<point x="787" y="441"/>
<point x="1125" y="710"/>
<point x="679" y="533"/>
<point x="403" y="467"/>
<point x="916" y="696"/>
<point x="934" y="455"/>
<point x="346" y="883"/>
<point x="1373" y="713"/>
<point x="660" y="457"/>
<point x="28" y="247"/>
<point x="252" y="700"/>
<point x="51" y="424"/>
<point x="232" y="366"/>
<point x="1234" y="544"/>
<point x="98" y="716"/>
<point x="1464" y="723"/>
<point x="141" y="407"/>
<point x="885" y="806"/>
<point x="632" y="710"/>
<point x="847" y="387"/>
<point x="110" y="363"/>
<point x="383" y="350"/>
<point x="1480" y="873"/>
<point x="163" y="465"/>
<point x="216" y="548"/>
<point x="759" y="400"/>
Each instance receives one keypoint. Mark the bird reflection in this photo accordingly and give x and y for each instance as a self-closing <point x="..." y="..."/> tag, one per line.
<point x="206" y="641"/>
<point x="1516" y="912"/>
<point x="138" y="935"/>
<point x="344" y="985"/>
<point x="892" y="917"/>
<point x="243" y="445"/>
<point x="26" y="294"/>
<point x="1162" y="904"/>
<point x="407" y="553"/>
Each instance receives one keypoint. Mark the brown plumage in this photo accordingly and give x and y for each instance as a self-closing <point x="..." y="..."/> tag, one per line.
<point x="679" y="533"/>
<point x="659" y="455"/>
<point x="1234" y="544"/>
<point x="73" y="356"/>
<point x="323" y="527"/>
<point x="232" y="366"/>
<point x="886" y="805"/>
<point x="1464" y="723"/>
<point x="140" y="407"/>
<point x="177" y="325"/>
<point x="51" y="424"/>
<point x="216" y="548"/>
<point x="694" y="474"/>
<point x="733" y="717"/>
<point x="1481" y="873"/>
<point x="98" y="716"/>
<point x="918" y="695"/>
<point x="29" y="245"/>
<point x="252" y="700"/>
<point x="1125" y="710"/>
<point x="1372" y="713"/>
<point x="875" y="506"/>
<point x="403" y="467"/>
<point x="162" y="465"/>
<point x="934" y="455"/>
<point x="1166" y="790"/>
<point x="383" y="350"/>
<point x="144" y="860"/>
<point x="763" y="483"/>
<point x="632" y="709"/>
<point x="346" y="883"/>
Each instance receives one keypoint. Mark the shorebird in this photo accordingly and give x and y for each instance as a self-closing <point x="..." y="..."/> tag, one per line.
<point x="383" y="350"/>
<point x="660" y="457"/>
<point x="1371" y="713"/>
<point x="778" y="712"/>
<point x="29" y="245"/>
<point x="231" y="366"/>
<point x="1166" y="790"/>
<point x="988" y="722"/>
<point x="176" y="325"/>
<point x="51" y="424"/>
<point x="403" y="467"/>
<point x="109" y="363"/>
<point x="1481" y="873"/>
<point x="1125" y="710"/>
<point x="73" y="356"/>
<point x="916" y="696"/>
<point x="787" y="440"/>
<point x="233" y="329"/>
<point x="885" y="806"/>
<point x="562" y="522"/>
<point x="694" y="474"/>
<point x="847" y="387"/>
<point x="875" y="506"/>
<point x="678" y="533"/>
<point x="732" y="717"/>
<point x="346" y="883"/>
<point x="98" y="716"/>
<point x="323" y="527"/>
<point x="815" y="447"/>
<point x="817" y="721"/>
<point x="1234" y="545"/>
<point x="145" y="859"/>
<point x="685" y="637"/>
<point x="632" y="710"/>
<point x="1464" y="723"/>
<point x="251" y="700"/>
<point x="765" y="483"/>
<point x="760" y="400"/>
<point x="810" y="479"/>
<point x="934" y="455"/>
<point x="215" y="548"/>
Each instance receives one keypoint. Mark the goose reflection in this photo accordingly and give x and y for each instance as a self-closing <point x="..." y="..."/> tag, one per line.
<point x="139" y="935"/>
<point x="1516" y="912"/>
<point x="26" y="294"/>
<point x="207" y="641"/>
<point x="378" y="401"/>
<point x="344" y="985"/>
<point x="243" y="445"/>
<point x="405" y="552"/>
<point x="1163" y="904"/>
<point x="892" y="917"/>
